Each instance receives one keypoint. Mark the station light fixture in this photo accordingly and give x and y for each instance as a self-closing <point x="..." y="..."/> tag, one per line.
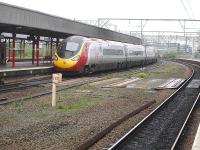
<point x="2" y="37"/>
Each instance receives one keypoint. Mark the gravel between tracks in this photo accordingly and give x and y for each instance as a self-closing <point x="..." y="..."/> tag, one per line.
<point x="81" y="113"/>
<point x="190" y="130"/>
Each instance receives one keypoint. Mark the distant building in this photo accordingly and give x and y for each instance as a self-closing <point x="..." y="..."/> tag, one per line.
<point x="175" y="47"/>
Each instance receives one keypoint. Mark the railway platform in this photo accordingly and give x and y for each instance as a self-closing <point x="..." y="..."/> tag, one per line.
<point x="24" y="68"/>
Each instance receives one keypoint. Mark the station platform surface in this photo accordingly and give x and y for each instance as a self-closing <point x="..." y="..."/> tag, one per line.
<point x="25" y="68"/>
<point x="196" y="144"/>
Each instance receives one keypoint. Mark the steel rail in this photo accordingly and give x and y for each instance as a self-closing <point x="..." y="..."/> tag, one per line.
<point x="189" y="114"/>
<point x="20" y="85"/>
<point x="7" y="100"/>
<point x="150" y="115"/>
<point x="181" y="131"/>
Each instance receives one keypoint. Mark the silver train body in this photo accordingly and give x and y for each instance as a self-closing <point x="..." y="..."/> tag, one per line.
<point x="81" y="54"/>
<point x="110" y="55"/>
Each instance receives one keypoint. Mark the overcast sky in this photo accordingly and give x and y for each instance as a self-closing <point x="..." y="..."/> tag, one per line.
<point x="92" y="9"/>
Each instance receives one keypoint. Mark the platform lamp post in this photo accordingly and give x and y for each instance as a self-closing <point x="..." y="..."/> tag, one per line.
<point x="14" y="52"/>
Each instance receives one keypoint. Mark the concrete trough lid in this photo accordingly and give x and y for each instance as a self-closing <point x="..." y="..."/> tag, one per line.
<point x="122" y="83"/>
<point x="106" y="82"/>
<point x="171" y="84"/>
<point x="146" y="83"/>
<point x="195" y="84"/>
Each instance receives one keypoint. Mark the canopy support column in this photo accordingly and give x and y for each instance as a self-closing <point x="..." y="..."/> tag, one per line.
<point x="14" y="52"/>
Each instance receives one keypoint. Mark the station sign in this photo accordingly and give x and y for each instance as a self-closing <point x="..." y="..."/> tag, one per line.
<point x="57" y="78"/>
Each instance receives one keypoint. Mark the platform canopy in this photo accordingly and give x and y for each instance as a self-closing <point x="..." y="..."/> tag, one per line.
<point x="19" y="20"/>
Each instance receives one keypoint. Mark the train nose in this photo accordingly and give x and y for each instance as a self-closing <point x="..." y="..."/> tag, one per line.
<point x="64" y="62"/>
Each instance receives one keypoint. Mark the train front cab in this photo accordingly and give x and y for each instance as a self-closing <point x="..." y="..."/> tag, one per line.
<point x="71" y="55"/>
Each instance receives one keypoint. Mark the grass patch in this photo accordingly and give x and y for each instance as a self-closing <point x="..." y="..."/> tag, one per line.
<point x="19" y="107"/>
<point x="76" y="105"/>
<point x="60" y="106"/>
<point x="143" y="74"/>
<point x="169" y="69"/>
<point x="164" y="70"/>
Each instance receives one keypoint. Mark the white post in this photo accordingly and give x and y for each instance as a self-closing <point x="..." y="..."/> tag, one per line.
<point x="53" y="94"/>
<point x="56" y="78"/>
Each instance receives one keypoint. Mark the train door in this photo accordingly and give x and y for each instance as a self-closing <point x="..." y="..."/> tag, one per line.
<point x="99" y="53"/>
<point x="98" y="56"/>
<point x="146" y="56"/>
<point x="126" y="55"/>
<point x="2" y="53"/>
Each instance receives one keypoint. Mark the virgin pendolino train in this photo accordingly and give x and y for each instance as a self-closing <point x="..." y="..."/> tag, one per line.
<point x="87" y="55"/>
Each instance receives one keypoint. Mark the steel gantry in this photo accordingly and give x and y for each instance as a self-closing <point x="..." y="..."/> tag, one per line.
<point x="186" y="31"/>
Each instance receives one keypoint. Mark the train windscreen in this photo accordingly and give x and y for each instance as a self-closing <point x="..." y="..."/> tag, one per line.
<point x="69" y="47"/>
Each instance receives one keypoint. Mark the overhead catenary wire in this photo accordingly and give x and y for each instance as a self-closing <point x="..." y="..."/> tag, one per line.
<point x="191" y="10"/>
<point x="185" y="8"/>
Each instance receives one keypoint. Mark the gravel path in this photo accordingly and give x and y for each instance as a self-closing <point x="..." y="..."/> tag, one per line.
<point x="81" y="113"/>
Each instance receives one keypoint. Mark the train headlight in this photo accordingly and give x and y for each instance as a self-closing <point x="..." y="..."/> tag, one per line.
<point x="54" y="58"/>
<point x="75" y="58"/>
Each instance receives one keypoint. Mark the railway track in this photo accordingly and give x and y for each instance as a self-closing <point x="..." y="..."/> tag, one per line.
<point x="47" y="80"/>
<point x="6" y="87"/>
<point x="17" y="85"/>
<point x="60" y="88"/>
<point x="162" y="128"/>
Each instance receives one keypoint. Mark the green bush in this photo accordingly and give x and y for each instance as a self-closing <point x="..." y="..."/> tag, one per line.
<point x="143" y="74"/>
<point x="59" y="106"/>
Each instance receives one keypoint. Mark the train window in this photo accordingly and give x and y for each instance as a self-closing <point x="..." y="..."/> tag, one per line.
<point x="71" y="46"/>
<point x="137" y="53"/>
<point x="112" y="52"/>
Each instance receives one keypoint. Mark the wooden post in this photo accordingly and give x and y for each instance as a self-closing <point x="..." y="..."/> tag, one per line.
<point x="56" y="78"/>
<point x="53" y="94"/>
